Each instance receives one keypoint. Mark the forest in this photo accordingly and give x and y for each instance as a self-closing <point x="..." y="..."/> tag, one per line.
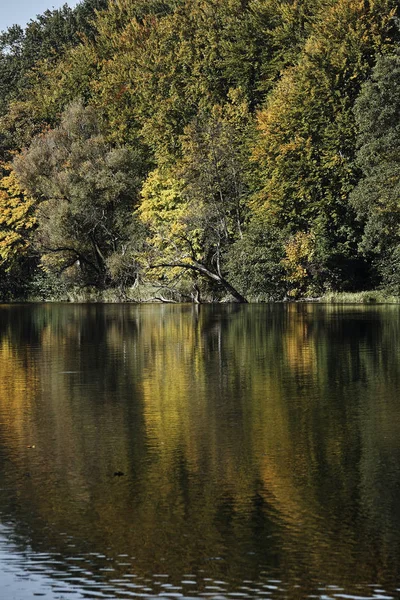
<point x="201" y="150"/>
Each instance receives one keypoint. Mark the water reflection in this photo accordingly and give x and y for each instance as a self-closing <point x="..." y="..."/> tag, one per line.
<point x="259" y="447"/>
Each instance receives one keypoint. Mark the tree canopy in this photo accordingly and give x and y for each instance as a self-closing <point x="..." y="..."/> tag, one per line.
<point x="241" y="149"/>
<point x="376" y="198"/>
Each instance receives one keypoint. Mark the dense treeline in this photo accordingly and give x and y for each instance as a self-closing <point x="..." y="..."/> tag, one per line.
<point x="244" y="149"/>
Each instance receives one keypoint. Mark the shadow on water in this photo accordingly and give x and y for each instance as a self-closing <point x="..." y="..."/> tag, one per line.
<point x="232" y="451"/>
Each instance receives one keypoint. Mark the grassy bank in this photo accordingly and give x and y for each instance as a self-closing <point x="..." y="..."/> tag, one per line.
<point x="369" y="297"/>
<point x="151" y="293"/>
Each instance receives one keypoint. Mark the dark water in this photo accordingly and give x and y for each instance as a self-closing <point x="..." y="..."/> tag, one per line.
<point x="259" y="446"/>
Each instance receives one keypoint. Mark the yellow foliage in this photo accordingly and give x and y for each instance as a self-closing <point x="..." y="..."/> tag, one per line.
<point x="307" y="120"/>
<point x="164" y="210"/>
<point x="17" y="218"/>
<point x="299" y="253"/>
<point x="162" y="202"/>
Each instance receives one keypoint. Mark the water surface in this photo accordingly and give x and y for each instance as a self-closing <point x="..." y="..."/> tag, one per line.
<point x="213" y="451"/>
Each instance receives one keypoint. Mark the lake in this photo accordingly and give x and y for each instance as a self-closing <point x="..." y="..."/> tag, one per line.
<point x="219" y="451"/>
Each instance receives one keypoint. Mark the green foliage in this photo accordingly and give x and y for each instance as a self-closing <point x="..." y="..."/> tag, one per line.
<point x="45" y="286"/>
<point x="86" y="190"/>
<point x="46" y="37"/>
<point x="161" y="67"/>
<point x="196" y="210"/>
<point x="254" y="262"/>
<point x="377" y="196"/>
<point x="212" y="150"/>
<point x="307" y="132"/>
<point x="370" y="297"/>
<point x="29" y="70"/>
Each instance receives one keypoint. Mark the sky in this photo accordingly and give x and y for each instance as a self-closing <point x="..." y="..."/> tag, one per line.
<point x="22" y="11"/>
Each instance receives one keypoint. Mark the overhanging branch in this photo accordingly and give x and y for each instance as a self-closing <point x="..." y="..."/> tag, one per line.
<point x="203" y="270"/>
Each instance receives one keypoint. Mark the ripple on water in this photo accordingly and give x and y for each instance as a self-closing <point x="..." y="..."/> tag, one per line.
<point x="258" y="442"/>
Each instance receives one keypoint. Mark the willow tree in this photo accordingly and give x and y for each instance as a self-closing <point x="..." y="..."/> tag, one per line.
<point x="86" y="190"/>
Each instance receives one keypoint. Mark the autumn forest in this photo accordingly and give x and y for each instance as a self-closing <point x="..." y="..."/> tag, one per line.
<point x="201" y="150"/>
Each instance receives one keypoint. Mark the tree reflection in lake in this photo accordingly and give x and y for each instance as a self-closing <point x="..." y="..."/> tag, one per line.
<point x="257" y="442"/>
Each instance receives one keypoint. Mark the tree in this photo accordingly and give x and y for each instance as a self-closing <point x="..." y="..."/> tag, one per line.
<point x="31" y="79"/>
<point x="254" y="262"/>
<point x="17" y="220"/>
<point x="162" y="63"/>
<point x="198" y="209"/>
<point x="18" y="258"/>
<point x="46" y="37"/>
<point x="307" y="133"/>
<point x="86" y="190"/>
<point x="377" y="196"/>
<point x="165" y="167"/>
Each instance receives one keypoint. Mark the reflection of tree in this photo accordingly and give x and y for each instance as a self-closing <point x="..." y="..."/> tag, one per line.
<point x="241" y="429"/>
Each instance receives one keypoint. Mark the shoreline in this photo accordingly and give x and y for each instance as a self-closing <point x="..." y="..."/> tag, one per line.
<point x="373" y="297"/>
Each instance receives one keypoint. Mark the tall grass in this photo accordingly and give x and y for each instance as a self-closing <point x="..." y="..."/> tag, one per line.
<point x="369" y="297"/>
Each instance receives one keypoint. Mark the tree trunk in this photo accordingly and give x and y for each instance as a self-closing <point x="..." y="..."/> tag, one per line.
<point x="200" y="268"/>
